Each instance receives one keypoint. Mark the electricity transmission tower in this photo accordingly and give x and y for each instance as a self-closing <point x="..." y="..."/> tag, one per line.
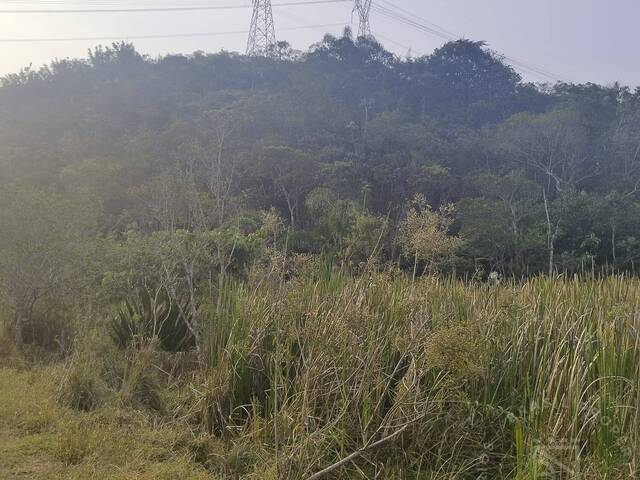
<point x="363" y="7"/>
<point x="262" y="33"/>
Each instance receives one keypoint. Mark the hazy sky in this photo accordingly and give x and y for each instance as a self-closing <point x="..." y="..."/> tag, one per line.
<point x="574" y="40"/>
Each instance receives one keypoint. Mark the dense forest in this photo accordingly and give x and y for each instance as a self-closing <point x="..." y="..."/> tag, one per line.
<point x="336" y="263"/>
<point x="336" y="139"/>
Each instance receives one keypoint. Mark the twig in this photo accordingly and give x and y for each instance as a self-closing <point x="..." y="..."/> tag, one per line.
<point x="356" y="454"/>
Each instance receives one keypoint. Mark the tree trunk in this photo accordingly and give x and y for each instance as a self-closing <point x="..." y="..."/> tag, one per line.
<point x="551" y="236"/>
<point x="18" y="329"/>
<point x="291" y="208"/>
<point x="613" y="245"/>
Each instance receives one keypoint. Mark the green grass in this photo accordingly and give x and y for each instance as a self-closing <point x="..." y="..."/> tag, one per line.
<point x="440" y="379"/>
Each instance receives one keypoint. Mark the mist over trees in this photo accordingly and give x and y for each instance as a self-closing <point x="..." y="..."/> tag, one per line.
<point x="336" y="143"/>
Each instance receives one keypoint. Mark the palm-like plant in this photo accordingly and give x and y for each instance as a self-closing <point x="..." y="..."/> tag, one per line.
<point x="148" y="317"/>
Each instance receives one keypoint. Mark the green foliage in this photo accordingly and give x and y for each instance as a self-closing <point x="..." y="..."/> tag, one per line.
<point x="148" y="318"/>
<point x="141" y="386"/>
<point x="367" y="240"/>
<point x="83" y="389"/>
<point x="473" y="370"/>
<point x="239" y="221"/>
<point x="41" y="248"/>
<point x="92" y="373"/>
<point x="424" y="234"/>
<point x="214" y="139"/>
<point x="297" y="376"/>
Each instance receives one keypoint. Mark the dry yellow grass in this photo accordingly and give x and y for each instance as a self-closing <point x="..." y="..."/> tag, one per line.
<point x="39" y="439"/>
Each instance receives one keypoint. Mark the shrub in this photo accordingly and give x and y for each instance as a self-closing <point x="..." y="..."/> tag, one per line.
<point x="141" y="386"/>
<point x="146" y="318"/>
<point x="82" y="387"/>
<point x="8" y="350"/>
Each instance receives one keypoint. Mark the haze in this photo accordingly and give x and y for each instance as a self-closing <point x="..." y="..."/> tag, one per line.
<point x="573" y="40"/>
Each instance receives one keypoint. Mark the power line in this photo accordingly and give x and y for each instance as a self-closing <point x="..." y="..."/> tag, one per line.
<point x="443" y="33"/>
<point x="439" y="31"/>
<point x="165" y="9"/>
<point x="304" y="21"/>
<point x="147" y="37"/>
<point x="408" y="48"/>
<point x="421" y="19"/>
<point x="388" y="13"/>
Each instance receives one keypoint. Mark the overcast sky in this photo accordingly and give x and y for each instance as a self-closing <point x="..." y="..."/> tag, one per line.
<point x="573" y="40"/>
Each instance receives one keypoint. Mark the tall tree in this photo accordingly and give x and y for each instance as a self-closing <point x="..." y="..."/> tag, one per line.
<point x="40" y="239"/>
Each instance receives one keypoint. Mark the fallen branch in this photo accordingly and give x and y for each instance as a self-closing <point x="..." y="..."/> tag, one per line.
<point x="356" y="454"/>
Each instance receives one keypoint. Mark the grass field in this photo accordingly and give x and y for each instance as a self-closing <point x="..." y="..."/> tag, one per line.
<point x="42" y="440"/>
<point x="341" y="377"/>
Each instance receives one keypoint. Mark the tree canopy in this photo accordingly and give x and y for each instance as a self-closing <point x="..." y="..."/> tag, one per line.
<point x="206" y="141"/>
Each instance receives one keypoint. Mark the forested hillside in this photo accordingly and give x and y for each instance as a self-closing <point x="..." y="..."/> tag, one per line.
<point x="337" y="141"/>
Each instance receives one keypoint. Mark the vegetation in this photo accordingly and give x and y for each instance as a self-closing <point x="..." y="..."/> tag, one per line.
<point x="331" y="264"/>
<point x="432" y="379"/>
<point x="543" y="177"/>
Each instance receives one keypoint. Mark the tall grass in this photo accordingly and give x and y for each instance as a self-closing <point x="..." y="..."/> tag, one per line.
<point x="344" y="377"/>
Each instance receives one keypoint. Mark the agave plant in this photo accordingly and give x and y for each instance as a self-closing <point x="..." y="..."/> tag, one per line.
<point x="146" y="318"/>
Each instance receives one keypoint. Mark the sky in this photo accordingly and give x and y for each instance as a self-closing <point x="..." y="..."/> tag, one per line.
<point x="568" y="40"/>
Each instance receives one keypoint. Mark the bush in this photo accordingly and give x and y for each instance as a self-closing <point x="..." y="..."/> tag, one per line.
<point x="51" y="329"/>
<point x="141" y="385"/>
<point x="144" y="319"/>
<point x="8" y="351"/>
<point x="82" y="387"/>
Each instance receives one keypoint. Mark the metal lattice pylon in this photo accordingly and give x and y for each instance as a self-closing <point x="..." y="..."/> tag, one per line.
<point x="262" y="33"/>
<point x="363" y="7"/>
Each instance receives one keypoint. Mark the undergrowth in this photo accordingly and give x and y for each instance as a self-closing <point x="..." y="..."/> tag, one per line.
<point x="334" y="376"/>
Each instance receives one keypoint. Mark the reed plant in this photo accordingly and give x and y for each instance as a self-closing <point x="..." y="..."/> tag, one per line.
<point x="353" y="377"/>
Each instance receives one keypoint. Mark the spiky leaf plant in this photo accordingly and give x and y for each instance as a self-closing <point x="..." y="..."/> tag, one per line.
<point x="146" y="317"/>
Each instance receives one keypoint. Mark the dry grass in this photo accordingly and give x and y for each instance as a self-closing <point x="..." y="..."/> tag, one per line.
<point x="41" y="440"/>
<point x="357" y="378"/>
